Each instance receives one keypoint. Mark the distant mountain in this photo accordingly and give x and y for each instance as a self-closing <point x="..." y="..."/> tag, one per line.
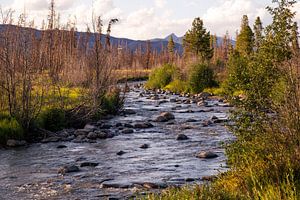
<point x="156" y="44"/>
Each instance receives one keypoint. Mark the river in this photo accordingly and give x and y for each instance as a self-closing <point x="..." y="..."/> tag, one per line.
<point x="31" y="172"/>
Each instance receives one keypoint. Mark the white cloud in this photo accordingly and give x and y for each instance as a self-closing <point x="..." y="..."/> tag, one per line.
<point x="160" y="3"/>
<point x="227" y="16"/>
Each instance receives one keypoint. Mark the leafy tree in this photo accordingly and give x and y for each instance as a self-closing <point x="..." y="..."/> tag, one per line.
<point x="295" y="41"/>
<point x="244" y="42"/>
<point x="258" y="33"/>
<point x="279" y="33"/>
<point x="197" y="40"/>
<point x="171" y="45"/>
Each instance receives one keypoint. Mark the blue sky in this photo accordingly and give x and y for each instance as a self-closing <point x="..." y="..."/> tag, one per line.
<point x="145" y="19"/>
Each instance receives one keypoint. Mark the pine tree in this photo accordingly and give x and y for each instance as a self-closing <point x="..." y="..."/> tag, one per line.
<point x="258" y="33"/>
<point x="197" y="40"/>
<point x="171" y="45"/>
<point x="244" y="43"/>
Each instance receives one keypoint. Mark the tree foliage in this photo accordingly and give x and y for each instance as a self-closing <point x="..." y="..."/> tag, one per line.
<point x="244" y="42"/>
<point x="197" y="40"/>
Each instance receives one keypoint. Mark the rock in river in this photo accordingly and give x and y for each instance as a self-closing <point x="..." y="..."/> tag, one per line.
<point x="68" y="169"/>
<point x="15" y="143"/>
<point x="92" y="136"/>
<point x="207" y="155"/>
<point x="89" y="164"/>
<point x="182" y="137"/>
<point x="145" y="146"/>
<point x="165" y="117"/>
<point x="128" y="131"/>
<point x="143" y="125"/>
<point x="120" y="153"/>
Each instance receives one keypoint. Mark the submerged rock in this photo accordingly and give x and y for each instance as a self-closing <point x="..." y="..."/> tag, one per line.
<point x="89" y="164"/>
<point x="145" y="146"/>
<point x="120" y="153"/>
<point x="61" y="146"/>
<point x="207" y="155"/>
<point x="165" y="117"/>
<point x="182" y="137"/>
<point x="15" y="143"/>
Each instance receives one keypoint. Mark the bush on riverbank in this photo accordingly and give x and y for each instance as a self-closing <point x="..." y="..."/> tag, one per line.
<point x="201" y="76"/>
<point x="10" y="129"/>
<point x="168" y="77"/>
<point x="162" y="76"/>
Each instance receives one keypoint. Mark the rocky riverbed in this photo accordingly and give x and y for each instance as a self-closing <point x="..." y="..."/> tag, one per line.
<point x="160" y="140"/>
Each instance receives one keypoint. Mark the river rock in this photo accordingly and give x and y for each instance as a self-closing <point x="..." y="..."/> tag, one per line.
<point x="128" y="125"/>
<point x="92" y="136"/>
<point x="207" y="123"/>
<point x="204" y="95"/>
<point x="61" y="146"/>
<point x="128" y="131"/>
<point x="105" y="126"/>
<point x="90" y="127"/>
<point x="68" y="169"/>
<point x="89" y="164"/>
<point x="102" y="134"/>
<point x="15" y="143"/>
<point x="207" y="155"/>
<point x="145" y="146"/>
<point x="182" y="137"/>
<point x="82" y="132"/>
<point x="143" y="125"/>
<point x="120" y="153"/>
<point x="129" y="112"/>
<point x="165" y="117"/>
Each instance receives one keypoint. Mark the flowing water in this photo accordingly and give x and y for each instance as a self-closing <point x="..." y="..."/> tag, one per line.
<point x="32" y="172"/>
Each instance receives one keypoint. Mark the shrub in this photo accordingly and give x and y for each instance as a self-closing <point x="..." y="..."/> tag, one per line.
<point x="112" y="102"/>
<point x="10" y="129"/>
<point x="201" y="77"/>
<point x="177" y="86"/>
<point x="53" y="119"/>
<point x="162" y="76"/>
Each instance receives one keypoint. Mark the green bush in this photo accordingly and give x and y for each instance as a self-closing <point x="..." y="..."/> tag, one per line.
<point x="53" y="119"/>
<point x="162" y="76"/>
<point x="10" y="129"/>
<point x="112" y="102"/>
<point x="201" y="76"/>
<point x="177" y="86"/>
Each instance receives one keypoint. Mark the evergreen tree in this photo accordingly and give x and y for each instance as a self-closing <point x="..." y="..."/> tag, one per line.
<point x="244" y="43"/>
<point x="171" y="45"/>
<point x="258" y="33"/>
<point x="197" y="40"/>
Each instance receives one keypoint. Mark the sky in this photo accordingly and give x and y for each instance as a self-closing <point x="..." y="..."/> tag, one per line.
<point x="147" y="19"/>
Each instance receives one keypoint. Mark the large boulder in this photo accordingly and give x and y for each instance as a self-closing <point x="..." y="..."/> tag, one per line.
<point x="90" y="127"/>
<point x="15" y="143"/>
<point x="165" y="117"/>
